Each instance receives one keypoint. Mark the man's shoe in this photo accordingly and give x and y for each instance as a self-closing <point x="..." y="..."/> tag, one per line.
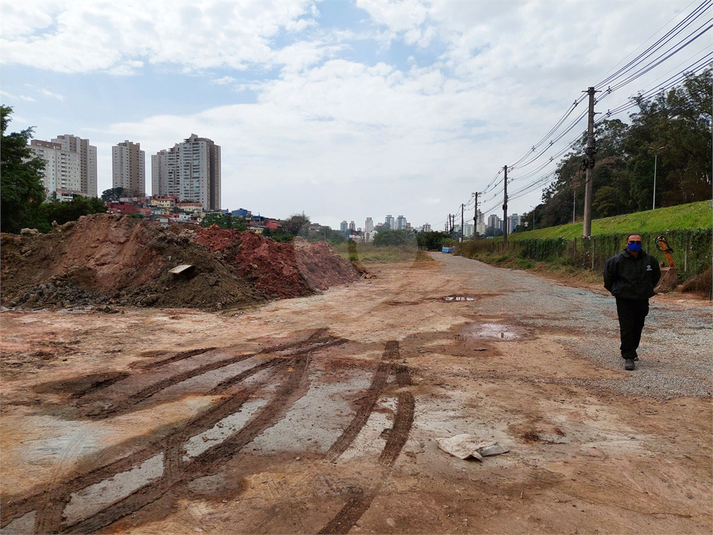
<point x="629" y="364"/>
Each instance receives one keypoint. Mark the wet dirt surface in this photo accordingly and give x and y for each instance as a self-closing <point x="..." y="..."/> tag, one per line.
<point x="319" y="414"/>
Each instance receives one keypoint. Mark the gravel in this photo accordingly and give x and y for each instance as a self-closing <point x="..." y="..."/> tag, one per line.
<point x="676" y="352"/>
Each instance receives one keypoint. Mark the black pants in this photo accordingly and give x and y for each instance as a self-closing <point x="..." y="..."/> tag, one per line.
<point x="632" y="313"/>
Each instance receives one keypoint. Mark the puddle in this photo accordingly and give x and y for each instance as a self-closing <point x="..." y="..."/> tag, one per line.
<point x="455" y="298"/>
<point x="495" y="331"/>
<point x="94" y="498"/>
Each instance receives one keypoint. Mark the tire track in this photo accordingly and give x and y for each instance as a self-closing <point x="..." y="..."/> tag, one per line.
<point x="378" y="383"/>
<point x="205" y="462"/>
<point x="172" y="445"/>
<point x="178" y="356"/>
<point x="360" y="501"/>
<point x="403" y="420"/>
<point x="357" y="504"/>
<point x="121" y="406"/>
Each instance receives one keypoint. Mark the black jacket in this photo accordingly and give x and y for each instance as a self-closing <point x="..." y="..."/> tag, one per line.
<point x="630" y="277"/>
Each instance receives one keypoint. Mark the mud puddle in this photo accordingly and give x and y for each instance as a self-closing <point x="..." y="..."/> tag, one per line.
<point x="491" y="331"/>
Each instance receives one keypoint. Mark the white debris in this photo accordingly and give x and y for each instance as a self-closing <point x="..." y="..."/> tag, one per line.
<point x="465" y="446"/>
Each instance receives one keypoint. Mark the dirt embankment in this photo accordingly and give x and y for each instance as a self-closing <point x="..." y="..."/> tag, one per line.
<point x="107" y="259"/>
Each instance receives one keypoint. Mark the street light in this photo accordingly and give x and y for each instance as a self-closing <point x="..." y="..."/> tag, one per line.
<point x="656" y="157"/>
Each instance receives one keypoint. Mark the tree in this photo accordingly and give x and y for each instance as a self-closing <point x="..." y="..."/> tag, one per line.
<point x="21" y="176"/>
<point x="433" y="240"/>
<point x="669" y="137"/>
<point x="224" y="221"/>
<point x="385" y="238"/>
<point x="62" y="212"/>
<point x="113" y="194"/>
<point x="297" y="225"/>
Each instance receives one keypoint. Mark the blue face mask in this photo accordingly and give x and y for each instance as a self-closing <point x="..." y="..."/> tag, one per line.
<point x="633" y="247"/>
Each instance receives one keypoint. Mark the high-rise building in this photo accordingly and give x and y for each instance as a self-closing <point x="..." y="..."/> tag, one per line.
<point x="400" y="223"/>
<point x="352" y="226"/>
<point x="426" y="227"/>
<point x="494" y="222"/>
<point x="190" y="171"/>
<point x="87" y="161"/>
<point x="343" y="226"/>
<point x="514" y="222"/>
<point x="390" y="222"/>
<point x="368" y="229"/>
<point x="129" y="168"/>
<point x="62" y="168"/>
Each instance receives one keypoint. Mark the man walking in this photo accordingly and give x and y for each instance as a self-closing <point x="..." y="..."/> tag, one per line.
<point x="631" y="277"/>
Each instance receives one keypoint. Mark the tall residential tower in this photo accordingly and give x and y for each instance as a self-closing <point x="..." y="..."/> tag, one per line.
<point x="190" y="171"/>
<point x="129" y="168"/>
<point x="71" y="165"/>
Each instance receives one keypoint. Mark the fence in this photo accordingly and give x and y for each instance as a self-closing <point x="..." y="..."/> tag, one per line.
<point x="692" y="249"/>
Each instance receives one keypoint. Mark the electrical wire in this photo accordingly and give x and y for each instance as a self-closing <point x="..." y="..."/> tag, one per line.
<point x="630" y="72"/>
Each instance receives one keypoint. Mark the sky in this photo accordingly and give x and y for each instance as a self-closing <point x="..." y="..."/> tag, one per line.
<point x="338" y="109"/>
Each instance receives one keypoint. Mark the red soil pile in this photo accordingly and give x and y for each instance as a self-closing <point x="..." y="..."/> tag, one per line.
<point x="108" y="259"/>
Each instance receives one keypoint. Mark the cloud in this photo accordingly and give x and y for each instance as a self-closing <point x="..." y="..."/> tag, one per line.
<point x="225" y="80"/>
<point x="101" y="36"/>
<point x="50" y="94"/>
<point x="21" y="97"/>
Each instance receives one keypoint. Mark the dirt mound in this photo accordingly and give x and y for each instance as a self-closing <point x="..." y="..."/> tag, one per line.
<point x="702" y="283"/>
<point x="108" y="259"/>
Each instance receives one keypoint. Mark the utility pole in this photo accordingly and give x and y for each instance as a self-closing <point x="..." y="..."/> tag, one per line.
<point x="656" y="158"/>
<point x="505" y="208"/>
<point x="475" y="216"/>
<point x="588" y="164"/>
<point x="462" y="228"/>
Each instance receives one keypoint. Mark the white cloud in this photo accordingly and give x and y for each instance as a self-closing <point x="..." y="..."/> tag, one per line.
<point x="50" y="94"/>
<point x="20" y="97"/>
<point x="100" y="35"/>
<point x="225" y="80"/>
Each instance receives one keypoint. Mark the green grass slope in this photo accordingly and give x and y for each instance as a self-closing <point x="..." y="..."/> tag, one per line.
<point x="697" y="215"/>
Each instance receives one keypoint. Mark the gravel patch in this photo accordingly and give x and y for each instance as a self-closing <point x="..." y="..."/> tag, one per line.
<point x="676" y="353"/>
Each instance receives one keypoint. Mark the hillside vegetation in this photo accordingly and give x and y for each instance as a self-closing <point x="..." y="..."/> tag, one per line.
<point x="697" y="215"/>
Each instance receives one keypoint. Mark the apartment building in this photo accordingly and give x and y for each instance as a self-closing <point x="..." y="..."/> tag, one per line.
<point x="128" y="168"/>
<point x="62" y="168"/>
<point x="87" y="161"/>
<point x="70" y="165"/>
<point x="190" y="170"/>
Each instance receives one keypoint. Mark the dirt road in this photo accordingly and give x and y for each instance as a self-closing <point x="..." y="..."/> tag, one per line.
<point x="320" y="414"/>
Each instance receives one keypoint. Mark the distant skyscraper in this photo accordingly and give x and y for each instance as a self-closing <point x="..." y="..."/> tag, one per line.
<point x="390" y="222"/>
<point x="343" y="226"/>
<point x="427" y="227"/>
<point x="129" y="168"/>
<point x="352" y="226"/>
<point x="190" y="171"/>
<point x="368" y="229"/>
<point x="493" y="221"/>
<point x="514" y="221"/>
<point x="400" y="223"/>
